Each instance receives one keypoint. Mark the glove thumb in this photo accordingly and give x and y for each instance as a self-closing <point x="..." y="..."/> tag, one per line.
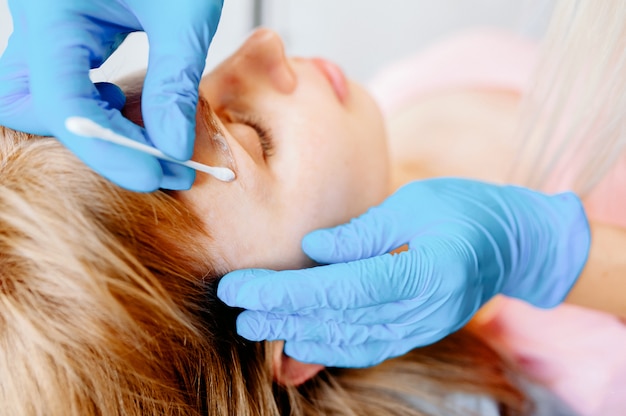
<point x="376" y="232"/>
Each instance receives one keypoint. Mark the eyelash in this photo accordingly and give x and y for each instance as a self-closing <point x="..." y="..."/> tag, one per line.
<point x="264" y="133"/>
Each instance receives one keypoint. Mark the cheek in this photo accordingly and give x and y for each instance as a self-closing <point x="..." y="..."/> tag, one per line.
<point x="331" y="161"/>
<point x="345" y="157"/>
<point x="367" y="148"/>
<point x="333" y="180"/>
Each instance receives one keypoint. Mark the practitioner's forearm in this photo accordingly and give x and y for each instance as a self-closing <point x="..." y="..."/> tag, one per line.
<point x="602" y="284"/>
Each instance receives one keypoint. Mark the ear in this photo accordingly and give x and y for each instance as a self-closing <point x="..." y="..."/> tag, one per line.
<point x="290" y="372"/>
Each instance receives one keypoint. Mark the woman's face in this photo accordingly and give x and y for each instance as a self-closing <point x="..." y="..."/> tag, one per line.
<point x="321" y="160"/>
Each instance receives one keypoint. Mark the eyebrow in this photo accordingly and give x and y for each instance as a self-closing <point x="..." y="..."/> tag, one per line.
<point x="208" y="117"/>
<point x="209" y="122"/>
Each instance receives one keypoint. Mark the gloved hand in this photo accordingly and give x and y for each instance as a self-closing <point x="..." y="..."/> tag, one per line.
<point x="467" y="242"/>
<point x="44" y="78"/>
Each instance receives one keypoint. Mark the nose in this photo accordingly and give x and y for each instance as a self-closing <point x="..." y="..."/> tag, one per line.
<point x="263" y="55"/>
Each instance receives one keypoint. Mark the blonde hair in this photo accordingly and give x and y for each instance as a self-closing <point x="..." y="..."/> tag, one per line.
<point x="574" y="127"/>
<point x="108" y="306"/>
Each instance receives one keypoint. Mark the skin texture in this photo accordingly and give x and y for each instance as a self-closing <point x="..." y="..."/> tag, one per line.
<point x="602" y="285"/>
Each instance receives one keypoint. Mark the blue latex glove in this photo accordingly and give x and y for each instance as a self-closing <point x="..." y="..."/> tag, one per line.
<point x="44" y="78"/>
<point x="467" y="242"/>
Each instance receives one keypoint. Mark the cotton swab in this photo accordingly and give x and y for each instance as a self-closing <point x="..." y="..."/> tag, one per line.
<point x="85" y="127"/>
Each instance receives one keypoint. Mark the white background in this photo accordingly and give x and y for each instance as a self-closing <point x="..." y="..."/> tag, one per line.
<point x="359" y="35"/>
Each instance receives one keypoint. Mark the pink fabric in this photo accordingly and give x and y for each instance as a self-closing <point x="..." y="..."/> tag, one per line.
<point x="479" y="59"/>
<point x="577" y="353"/>
<point x="607" y="202"/>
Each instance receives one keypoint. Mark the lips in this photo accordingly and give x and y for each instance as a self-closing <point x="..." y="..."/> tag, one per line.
<point x="335" y="77"/>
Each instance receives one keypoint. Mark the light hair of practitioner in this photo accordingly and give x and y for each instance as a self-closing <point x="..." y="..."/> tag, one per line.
<point x="574" y="128"/>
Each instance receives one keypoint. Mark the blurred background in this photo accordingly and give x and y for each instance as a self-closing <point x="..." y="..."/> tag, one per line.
<point x="359" y="35"/>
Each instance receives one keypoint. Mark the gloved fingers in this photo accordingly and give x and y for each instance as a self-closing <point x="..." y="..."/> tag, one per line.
<point x="258" y="326"/>
<point x="16" y="105"/>
<point x="177" y="177"/>
<point x="61" y="88"/>
<point x="380" y="230"/>
<point x="351" y="356"/>
<point x="441" y="312"/>
<point x="128" y="168"/>
<point x="178" y="52"/>
<point x="341" y="286"/>
<point x="414" y="312"/>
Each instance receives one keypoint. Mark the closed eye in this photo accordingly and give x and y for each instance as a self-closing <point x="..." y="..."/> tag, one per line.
<point x="261" y="129"/>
